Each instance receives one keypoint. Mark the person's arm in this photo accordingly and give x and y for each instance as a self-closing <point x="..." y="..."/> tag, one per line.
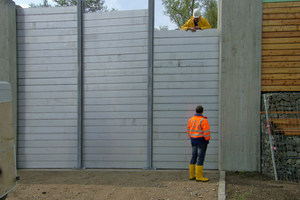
<point x="205" y="25"/>
<point x="187" y="26"/>
<point x="206" y="129"/>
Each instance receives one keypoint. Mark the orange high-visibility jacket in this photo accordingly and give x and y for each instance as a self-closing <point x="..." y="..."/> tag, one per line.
<point x="198" y="127"/>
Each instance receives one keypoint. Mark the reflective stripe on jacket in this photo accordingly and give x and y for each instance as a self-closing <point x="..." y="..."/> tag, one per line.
<point x="198" y="127"/>
<point x="202" y="23"/>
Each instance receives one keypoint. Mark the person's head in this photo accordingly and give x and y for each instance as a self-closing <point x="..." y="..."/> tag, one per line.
<point x="199" y="109"/>
<point x="196" y="14"/>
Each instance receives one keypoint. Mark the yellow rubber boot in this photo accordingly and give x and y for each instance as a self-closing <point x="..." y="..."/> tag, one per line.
<point x="192" y="172"/>
<point x="199" y="173"/>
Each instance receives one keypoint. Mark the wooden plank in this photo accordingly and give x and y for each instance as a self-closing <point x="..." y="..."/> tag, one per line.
<point x="114" y="101"/>
<point x="115" y="115"/>
<point x="116" y="29"/>
<point x="186" y="48"/>
<point x="119" y="108"/>
<point x="280" y="70"/>
<point x="187" y="85"/>
<point x="280" y="112"/>
<point x="186" y="56"/>
<point x="281" y="4"/>
<point x="48" y="150"/>
<point x="280" y="88"/>
<point x="49" y="74"/>
<point x="48" y="39"/>
<point x="114" y="143"/>
<point x="47" y="32"/>
<point x="44" y="123"/>
<point x="47" y="17"/>
<point x="45" y="108"/>
<point x="47" y="46"/>
<point x="280" y="40"/>
<point x="183" y="92"/>
<point x="190" y="70"/>
<point x="49" y="102"/>
<point x="186" y="41"/>
<point x="116" y="86"/>
<point x="280" y="28"/>
<point x="46" y="136"/>
<point x="280" y="58"/>
<point x="280" y="34"/>
<point x="116" y="58"/>
<point x="48" y="81"/>
<point x="116" y="72"/>
<point x="189" y="99"/>
<point x="45" y="10"/>
<point x="46" y="116"/>
<point x="285" y="120"/>
<point x="280" y="52"/>
<point x="115" y="36"/>
<point x="186" y="77"/>
<point x="115" y="94"/>
<point x="188" y="34"/>
<point x="113" y="122"/>
<point x="185" y="63"/>
<point x="176" y="114"/>
<point x="280" y="64"/>
<point x="112" y="51"/>
<point x="280" y="76"/>
<point x="281" y="16"/>
<point x="47" y="25"/>
<point x="47" y="53"/>
<point x="47" y="88"/>
<point x="280" y="22"/>
<point x="119" y="22"/>
<point x="282" y="10"/>
<point x="115" y="44"/>
<point x="117" y="129"/>
<point x="280" y="82"/>
<point x="280" y="46"/>
<point x="118" y="135"/>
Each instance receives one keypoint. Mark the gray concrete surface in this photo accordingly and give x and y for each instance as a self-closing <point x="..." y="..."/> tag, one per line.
<point x="240" y="80"/>
<point x="222" y="191"/>
<point x="8" y="50"/>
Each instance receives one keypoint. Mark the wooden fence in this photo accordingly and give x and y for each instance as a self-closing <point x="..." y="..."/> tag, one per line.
<point x="281" y="47"/>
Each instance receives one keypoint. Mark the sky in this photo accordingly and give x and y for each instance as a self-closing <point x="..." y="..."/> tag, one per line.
<point x="160" y="18"/>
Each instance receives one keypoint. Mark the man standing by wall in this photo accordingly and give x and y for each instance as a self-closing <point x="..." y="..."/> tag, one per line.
<point x="196" y="22"/>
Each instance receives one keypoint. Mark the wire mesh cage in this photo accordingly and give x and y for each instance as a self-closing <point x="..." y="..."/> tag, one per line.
<point x="280" y="136"/>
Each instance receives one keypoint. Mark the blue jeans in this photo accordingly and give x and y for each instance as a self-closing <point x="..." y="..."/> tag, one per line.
<point x="198" y="153"/>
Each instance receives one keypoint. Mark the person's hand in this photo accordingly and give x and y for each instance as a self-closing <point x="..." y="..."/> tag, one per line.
<point x="197" y="27"/>
<point x="192" y="29"/>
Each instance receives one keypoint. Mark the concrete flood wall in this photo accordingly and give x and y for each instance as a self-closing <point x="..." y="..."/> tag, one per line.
<point x="115" y="90"/>
<point x="8" y="50"/>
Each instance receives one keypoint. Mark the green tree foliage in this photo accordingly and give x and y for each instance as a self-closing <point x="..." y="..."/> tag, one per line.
<point x="89" y="5"/>
<point x="180" y="11"/>
<point x="210" y="8"/>
<point x="161" y="28"/>
<point x="44" y="4"/>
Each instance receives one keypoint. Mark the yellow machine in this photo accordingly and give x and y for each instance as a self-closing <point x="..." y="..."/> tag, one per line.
<point x="7" y="142"/>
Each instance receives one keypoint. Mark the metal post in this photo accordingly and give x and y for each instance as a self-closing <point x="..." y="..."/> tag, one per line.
<point x="79" y="81"/>
<point x="150" y="85"/>
<point x="270" y="137"/>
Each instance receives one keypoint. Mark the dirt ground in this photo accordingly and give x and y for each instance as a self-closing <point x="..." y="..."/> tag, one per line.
<point x="144" y="184"/>
<point x="255" y="186"/>
<point x="108" y="184"/>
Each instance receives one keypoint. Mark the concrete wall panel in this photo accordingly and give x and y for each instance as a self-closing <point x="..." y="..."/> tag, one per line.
<point x="240" y="68"/>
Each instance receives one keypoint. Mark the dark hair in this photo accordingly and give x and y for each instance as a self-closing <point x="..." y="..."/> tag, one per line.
<point x="199" y="109"/>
